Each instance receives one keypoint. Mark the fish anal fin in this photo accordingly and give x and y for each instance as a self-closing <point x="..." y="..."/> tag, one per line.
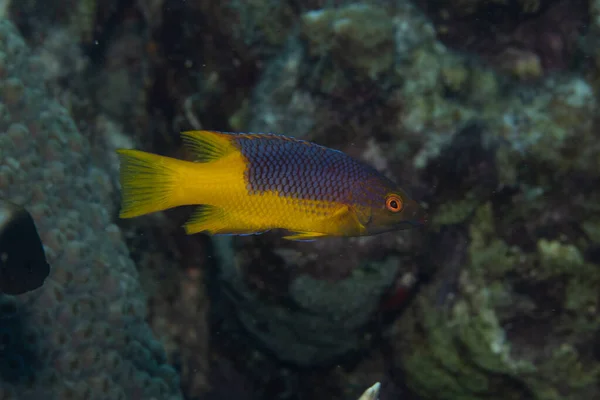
<point x="206" y="218"/>
<point x="305" y="236"/>
<point x="216" y="221"/>
<point x="207" y="146"/>
<point x="239" y="232"/>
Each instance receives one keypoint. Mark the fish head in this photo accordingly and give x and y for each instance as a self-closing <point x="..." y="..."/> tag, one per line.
<point x="390" y="210"/>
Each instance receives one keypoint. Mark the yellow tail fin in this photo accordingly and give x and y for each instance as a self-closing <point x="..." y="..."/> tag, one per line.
<point x="147" y="182"/>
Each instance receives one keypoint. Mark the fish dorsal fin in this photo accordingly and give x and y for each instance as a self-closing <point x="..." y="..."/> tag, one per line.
<point x="208" y="146"/>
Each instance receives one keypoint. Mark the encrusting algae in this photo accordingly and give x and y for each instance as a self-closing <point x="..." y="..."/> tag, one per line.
<point x="251" y="183"/>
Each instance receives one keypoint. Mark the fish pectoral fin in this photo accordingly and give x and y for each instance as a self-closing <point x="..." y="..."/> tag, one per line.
<point x="348" y="220"/>
<point x="216" y="221"/>
<point x="305" y="236"/>
<point x="207" y="146"/>
<point x="363" y="215"/>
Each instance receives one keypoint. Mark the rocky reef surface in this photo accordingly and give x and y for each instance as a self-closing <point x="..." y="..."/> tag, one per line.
<point x="485" y="111"/>
<point x="83" y="335"/>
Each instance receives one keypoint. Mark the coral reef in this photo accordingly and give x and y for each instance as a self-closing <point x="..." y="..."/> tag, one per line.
<point x="485" y="109"/>
<point x="106" y="85"/>
<point x="83" y="19"/>
<point x="514" y="324"/>
<point x="318" y="313"/>
<point x="526" y="39"/>
<point x="360" y="38"/>
<point x="172" y="269"/>
<point x="256" y="28"/>
<point x="509" y="204"/>
<point x="83" y="334"/>
<point x="532" y="162"/>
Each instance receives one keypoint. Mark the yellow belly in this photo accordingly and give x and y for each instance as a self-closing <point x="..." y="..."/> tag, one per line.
<point x="269" y="210"/>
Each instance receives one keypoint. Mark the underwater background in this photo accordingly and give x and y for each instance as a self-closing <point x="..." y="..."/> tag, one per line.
<point x="484" y="110"/>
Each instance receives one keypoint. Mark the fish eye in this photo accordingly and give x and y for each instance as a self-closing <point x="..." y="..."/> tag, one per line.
<point x="393" y="203"/>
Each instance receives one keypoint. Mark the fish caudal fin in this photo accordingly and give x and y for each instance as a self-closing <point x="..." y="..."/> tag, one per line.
<point x="147" y="182"/>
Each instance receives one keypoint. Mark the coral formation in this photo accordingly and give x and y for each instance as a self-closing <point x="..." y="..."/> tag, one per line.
<point x="316" y="314"/>
<point x="178" y="304"/>
<point x="526" y="39"/>
<point x="516" y="324"/>
<point x="532" y="163"/>
<point x="511" y="253"/>
<point x="82" y="335"/>
<point x="256" y="28"/>
<point x="82" y="18"/>
<point x="359" y="37"/>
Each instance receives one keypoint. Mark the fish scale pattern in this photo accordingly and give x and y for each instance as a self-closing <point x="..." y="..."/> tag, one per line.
<point x="301" y="170"/>
<point x="82" y="335"/>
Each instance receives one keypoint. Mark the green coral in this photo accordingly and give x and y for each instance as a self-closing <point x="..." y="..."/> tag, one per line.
<point x="359" y="36"/>
<point x="464" y="350"/>
<point x="454" y="212"/>
<point x="550" y="122"/>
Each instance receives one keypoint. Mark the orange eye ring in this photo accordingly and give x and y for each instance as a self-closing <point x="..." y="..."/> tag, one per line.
<point x="394" y="203"/>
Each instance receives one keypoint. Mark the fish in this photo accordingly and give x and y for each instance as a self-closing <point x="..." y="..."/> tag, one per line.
<point x="371" y="393"/>
<point x="23" y="264"/>
<point x="250" y="183"/>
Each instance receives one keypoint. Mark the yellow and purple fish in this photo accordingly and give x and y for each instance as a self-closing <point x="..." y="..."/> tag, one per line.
<point x="252" y="183"/>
